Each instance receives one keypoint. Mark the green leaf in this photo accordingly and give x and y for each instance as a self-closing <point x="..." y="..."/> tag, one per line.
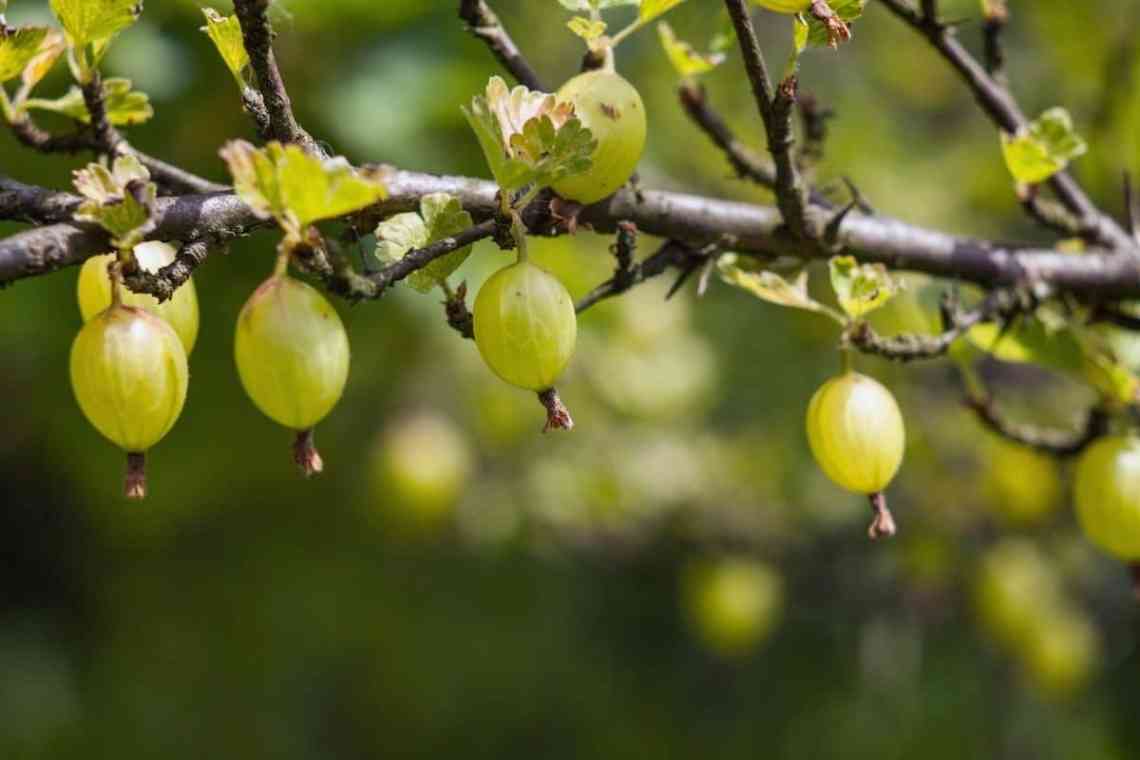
<point x="861" y="288"/>
<point x="88" y="21"/>
<point x="587" y="29"/>
<point x="771" y="287"/>
<point x="17" y="48"/>
<point x="1060" y="347"/>
<point x="51" y="48"/>
<point x="124" y="106"/>
<point x="528" y="138"/>
<point x="1043" y="148"/>
<point x="441" y="216"/>
<point x="225" y="33"/>
<point x="651" y="9"/>
<point x="685" y="59"/>
<point x="120" y="199"/>
<point x="295" y="188"/>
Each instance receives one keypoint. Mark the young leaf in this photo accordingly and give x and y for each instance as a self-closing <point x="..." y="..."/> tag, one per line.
<point x="1043" y="148"/>
<point x="773" y="288"/>
<point x="441" y="216"/>
<point x="225" y="33"/>
<point x="17" y="48"/>
<point x="528" y="137"/>
<point x="51" y="48"/>
<point x="120" y="199"/>
<point x="124" y="106"/>
<point x="88" y="21"/>
<point x="651" y="9"/>
<point x="861" y="288"/>
<point x="587" y="29"/>
<point x="685" y="59"/>
<point x="295" y="188"/>
<point x="821" y="34"/>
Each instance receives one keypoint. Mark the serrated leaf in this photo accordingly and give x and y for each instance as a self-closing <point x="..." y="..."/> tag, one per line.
<point x="119" y="199"/>
<point x="88" y="21"/>
<point x="861" y="288"/>
<point x="295" y="188"/>
<point x="528" y="137"/>
<point x="587" y="29"/>
<point x="771" y="287"/>
<point x="651" y="9"/>
<point x="17" y="48"/>
<point x="1043" y="148"/>
<point x="124" y="106"/>
<point x="1059" y="347"/>
<point x="441" y="216"/>
<point x="225" y="33"/>
<point x="685" y="59"/>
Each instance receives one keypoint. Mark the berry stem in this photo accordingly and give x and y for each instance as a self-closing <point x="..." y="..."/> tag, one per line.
<point x="115" y="275"/>
<point x="281" y="266"/>
<point x="305" y="454"/>
<point x="135" y="483"/>
<point x="557" y="415"/>
<point x="883" y="523"/>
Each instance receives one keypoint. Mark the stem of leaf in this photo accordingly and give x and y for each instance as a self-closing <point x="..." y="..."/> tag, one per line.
<point x="518" y="232"/>
<point x="281" y="267"/>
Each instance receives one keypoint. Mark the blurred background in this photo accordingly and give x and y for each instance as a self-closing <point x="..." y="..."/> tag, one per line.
<point x="674" y="578"/>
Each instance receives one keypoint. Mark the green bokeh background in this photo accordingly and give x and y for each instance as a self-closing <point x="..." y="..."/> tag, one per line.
<point x="242" y="612"/>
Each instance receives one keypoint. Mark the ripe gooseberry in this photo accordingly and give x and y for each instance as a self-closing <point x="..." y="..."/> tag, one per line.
<point x="181" y="310"/>
<point x="1107" y="492"/>
<point x="856" y="434"/>
<point x="732" y="603"/>
<point x="611" y="108"/>
<point x="129" y="375"/>
<point x="525" y="326"/>
<point x="292" y="356"/>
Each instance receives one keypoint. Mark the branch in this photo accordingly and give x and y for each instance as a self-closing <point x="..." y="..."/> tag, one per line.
<point x="1059" y="443"/>
<point x="670" y="254"/>
<point x="691" y="220"/>
<point x="746" y="164"/>
<point x="258" y="39"/>
<point x="484" y="24"/>
<point x="776" y="111"/>
<point x="1001" y="107"/>
<point x="165" y="281"/>
<point x="105" y="137"/>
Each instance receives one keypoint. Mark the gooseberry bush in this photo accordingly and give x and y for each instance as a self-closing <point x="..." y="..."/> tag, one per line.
<point x="563" y="161"/>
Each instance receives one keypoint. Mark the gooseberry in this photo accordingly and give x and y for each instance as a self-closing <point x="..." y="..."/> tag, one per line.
<point x="181" y="310"/>
<point x="611" y="109"/>
<point x="129" y="375"/>
<point x="1107" y="493"/>
<point x="856" y="434"/>
<point x="525" y="326"/>
<point x="292" y="356"/>
<point x="732" y="603"/>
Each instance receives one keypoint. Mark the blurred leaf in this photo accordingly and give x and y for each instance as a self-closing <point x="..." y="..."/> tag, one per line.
<point x="600" y="5"/>
<point x="89" y="21"/>
<point x="441" y="216"/>
<point x="1042" y="149"/>
<point x="17" y="48"/>
<point x="124" y="106"/>
<point x="587" y="29"/>
<point x="295" y="188"/>
<point x="651" y="9"/>
<point x="685" y="59"/>
<point x="861" y="288"/>
<point x="1059" y="347"/>
<point x="120" y="200"/>
<point x="773" y="288"/>
<point x="225" y="32"/>
<point x="528" y="137"/>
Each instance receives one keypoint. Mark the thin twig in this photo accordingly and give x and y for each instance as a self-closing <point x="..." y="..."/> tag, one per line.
<point x="670" y="254"/>
<point x="258" y="38"/>
<point x="1058" y="443"/>
<point x="1001" y="107"/>
<point x="163" y="283"/>
<point x="746" y="163"/>
<point x="484" y="24"/>
<point x="775" y="106"/>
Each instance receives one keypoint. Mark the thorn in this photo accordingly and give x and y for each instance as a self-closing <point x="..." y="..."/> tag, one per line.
<point x="688" y="270"/>
<point x="860" y="201"/>
<point x="831" y="232"/>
